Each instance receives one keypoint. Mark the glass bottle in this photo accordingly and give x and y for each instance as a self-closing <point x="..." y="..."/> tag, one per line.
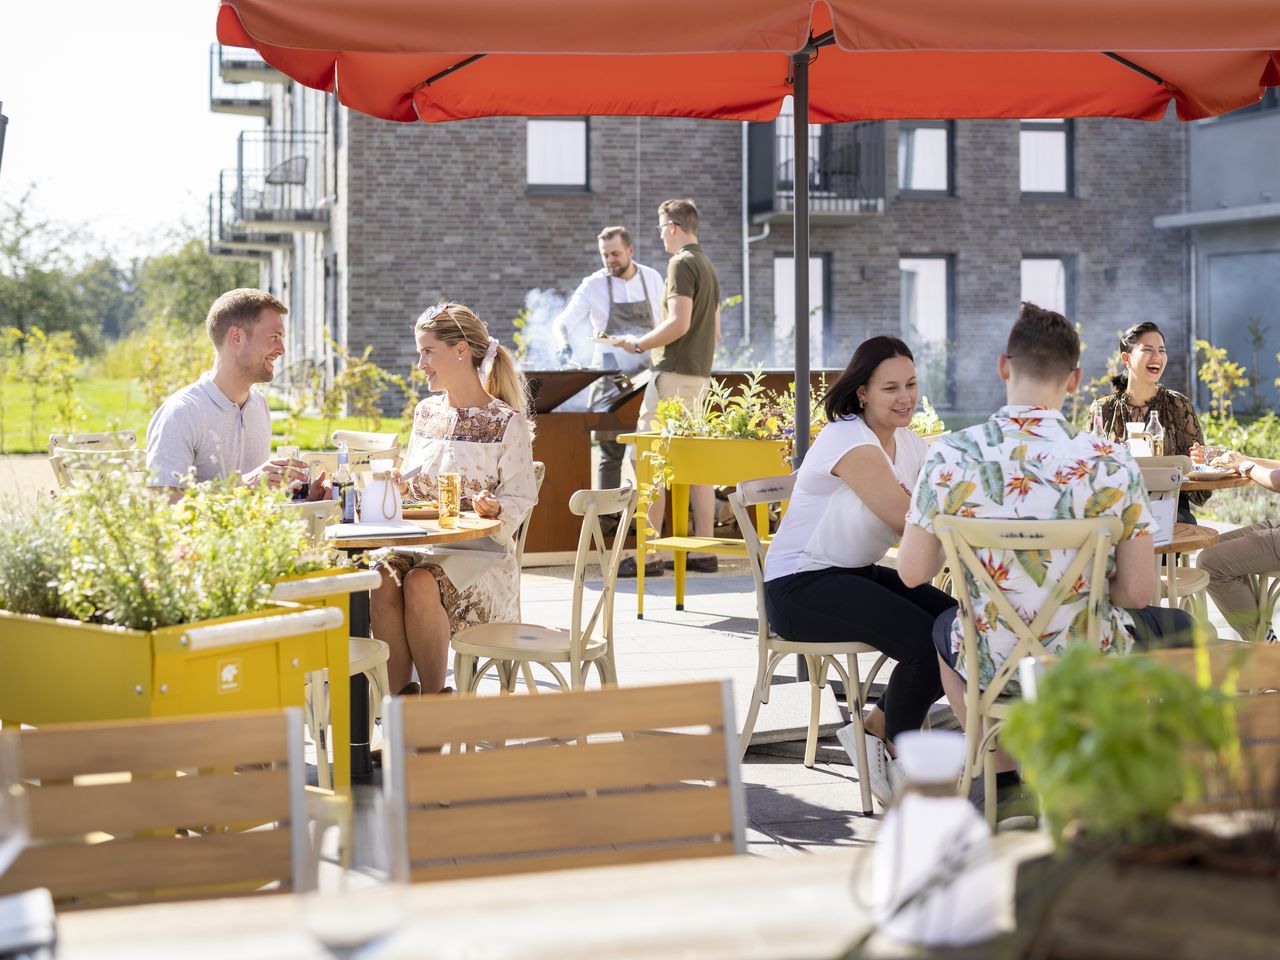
<point x="344" y="488"/>
<point x="1155" y="433"/>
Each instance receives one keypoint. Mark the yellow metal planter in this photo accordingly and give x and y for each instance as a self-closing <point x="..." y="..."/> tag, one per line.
<point x="331" y="650"/>
<point x="696" y="461"/>
<point x="61" y="671"/>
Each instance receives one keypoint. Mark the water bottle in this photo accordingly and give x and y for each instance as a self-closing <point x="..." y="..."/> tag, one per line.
<point x="934" y="881"/>
<point x="344" y="488"/>
<point x="1155" y="432"/>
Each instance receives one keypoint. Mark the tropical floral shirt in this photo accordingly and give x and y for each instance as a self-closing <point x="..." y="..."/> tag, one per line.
<point x="1029" y="462"/>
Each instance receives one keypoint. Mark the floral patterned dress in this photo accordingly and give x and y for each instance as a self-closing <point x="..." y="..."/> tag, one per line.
<point x="1030" y="463"/>
<point x="491" y="447"/>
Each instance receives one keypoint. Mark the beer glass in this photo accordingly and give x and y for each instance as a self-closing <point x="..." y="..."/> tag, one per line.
<point x="297" y="488"/>
<point x="450" y="485"/>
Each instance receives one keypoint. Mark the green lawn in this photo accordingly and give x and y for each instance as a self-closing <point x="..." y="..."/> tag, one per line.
<point x="122" y="405"/>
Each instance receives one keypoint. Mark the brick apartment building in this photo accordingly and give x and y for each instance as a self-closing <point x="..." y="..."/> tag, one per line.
<point x="929" y="230"/>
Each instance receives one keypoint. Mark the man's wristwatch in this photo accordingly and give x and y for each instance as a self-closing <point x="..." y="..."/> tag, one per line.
<point x="1245" y="467"/>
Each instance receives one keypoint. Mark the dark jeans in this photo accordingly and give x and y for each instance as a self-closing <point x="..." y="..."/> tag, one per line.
<point x="1153" y="628"/>
<point x="868" y="605"/>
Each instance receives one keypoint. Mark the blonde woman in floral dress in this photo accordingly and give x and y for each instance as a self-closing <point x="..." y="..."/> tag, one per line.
<point x="474" y="426"/>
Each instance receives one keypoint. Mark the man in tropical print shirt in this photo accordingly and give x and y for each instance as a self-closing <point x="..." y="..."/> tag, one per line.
<point x="1028" y="462"/>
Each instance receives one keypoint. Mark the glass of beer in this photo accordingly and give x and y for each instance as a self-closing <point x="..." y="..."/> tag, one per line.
<point x="450" y="485"/>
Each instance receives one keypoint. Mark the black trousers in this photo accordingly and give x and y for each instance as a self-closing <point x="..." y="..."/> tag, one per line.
<point x="870" y="605"/>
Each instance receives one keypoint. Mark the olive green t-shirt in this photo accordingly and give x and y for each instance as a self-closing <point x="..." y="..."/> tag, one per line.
<point x="690" y="274"/>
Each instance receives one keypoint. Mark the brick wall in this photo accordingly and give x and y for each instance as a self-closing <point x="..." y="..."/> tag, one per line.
<point x="1126" y="173"/>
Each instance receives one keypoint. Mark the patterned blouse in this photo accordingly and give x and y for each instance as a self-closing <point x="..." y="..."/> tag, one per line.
<point x="1030" y="463"/>
<point x="1177" y="416"/>
<point x="492" y="448"/>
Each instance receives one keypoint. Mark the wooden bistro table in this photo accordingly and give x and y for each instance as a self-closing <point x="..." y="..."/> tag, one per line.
<point x="356" y="538"/>
<point x="1231" y="482"/>
<point x="716" y="908"/>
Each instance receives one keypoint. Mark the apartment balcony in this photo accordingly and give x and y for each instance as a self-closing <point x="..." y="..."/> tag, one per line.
<point x="846" y="170"/>
<point x="245" y="98"/>
<point x="281" y="182"/>
<point x="227" y="234"/>
<point x="243" y="65"/>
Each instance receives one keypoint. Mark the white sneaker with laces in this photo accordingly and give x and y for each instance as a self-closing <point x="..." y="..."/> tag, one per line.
<point x="878" y="762"/>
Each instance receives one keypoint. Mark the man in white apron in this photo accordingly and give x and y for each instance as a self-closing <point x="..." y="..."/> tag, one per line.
<point x="622" y="298"/>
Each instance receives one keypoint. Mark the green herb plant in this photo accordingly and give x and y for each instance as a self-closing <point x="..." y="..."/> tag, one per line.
<point x="1108" y="743"/>
<point x="114" y="552"/>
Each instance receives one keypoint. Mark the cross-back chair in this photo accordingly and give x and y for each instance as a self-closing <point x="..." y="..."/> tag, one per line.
<point x="1181" y="586"/>
<point x="819" y="655"/>
<point x="133" y="810"/>
<point x="588" y="641"/>
<point x="1092" y="540"/>
<point x="585" y="778"/>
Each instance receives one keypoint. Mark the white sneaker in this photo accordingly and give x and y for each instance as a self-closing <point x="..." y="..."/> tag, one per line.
<point x="878" y="762"/>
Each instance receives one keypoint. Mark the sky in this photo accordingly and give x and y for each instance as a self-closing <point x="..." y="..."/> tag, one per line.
<point x="108" y="107"/>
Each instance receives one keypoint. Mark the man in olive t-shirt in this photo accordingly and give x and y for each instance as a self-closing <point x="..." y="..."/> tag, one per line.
<point x="683" y="346"/>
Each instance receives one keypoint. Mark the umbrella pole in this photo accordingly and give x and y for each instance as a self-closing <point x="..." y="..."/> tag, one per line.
<point x="800" y="241"/>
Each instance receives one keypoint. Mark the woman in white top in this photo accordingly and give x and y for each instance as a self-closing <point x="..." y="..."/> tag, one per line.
<point x="474" y="426"/>
<point x="823" y="580"/>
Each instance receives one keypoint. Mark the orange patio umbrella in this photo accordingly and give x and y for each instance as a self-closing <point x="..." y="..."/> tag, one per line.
<point x="842" y="60"/>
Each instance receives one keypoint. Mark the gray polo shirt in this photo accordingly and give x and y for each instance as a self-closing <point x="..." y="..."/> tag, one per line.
<point x="199" y="427"/>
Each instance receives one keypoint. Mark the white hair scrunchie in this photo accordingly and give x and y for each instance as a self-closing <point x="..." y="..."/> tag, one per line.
<point x="490" y="354"/>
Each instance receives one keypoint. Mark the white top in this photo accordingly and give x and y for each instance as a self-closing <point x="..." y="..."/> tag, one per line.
<point x="590" y="303"/>
<point x="199" y="427"/>
<point x="826" y="524"/>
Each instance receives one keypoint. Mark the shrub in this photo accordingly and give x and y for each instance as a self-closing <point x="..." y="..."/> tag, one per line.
<point x="115" y="552"/>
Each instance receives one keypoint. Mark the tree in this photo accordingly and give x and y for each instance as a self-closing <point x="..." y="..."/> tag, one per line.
<point x="38" y="285"/>
<point x="178" y="287"/>
<point x="106" y="295"/>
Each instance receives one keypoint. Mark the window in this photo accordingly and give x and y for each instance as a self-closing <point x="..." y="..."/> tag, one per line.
<point x="1045" y="151"/>
<point x="785" y="156"/>
<point x="927" y="324"/>
<point x="1046" y="282"/>
<point x="924" y="157"/>
<point x="557" y="155"/>
<point x="784" y="310"/>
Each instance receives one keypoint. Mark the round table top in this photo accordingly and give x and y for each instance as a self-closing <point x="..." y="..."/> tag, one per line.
<point x="1232" y="482"/>
<point x="1188" y="537"/>
<point x="470" y="527"/>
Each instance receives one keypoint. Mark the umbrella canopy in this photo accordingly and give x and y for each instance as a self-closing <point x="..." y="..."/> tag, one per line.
<point x="842" y="60"/>
<point x="730" y="59"/>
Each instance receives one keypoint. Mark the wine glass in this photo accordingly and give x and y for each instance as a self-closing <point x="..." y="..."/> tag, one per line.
<point x="353" y="891"/>
<point x="13" y="801"/>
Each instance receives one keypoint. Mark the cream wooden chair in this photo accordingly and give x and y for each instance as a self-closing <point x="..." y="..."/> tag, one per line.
<point x="112" y="440"/>
<point x="1266" y="588"/>
<point x="359" y="440"/>
<point x="586" y="778"/>
<point x="1180" y="586"/>
<point x="137" y="810"/>
<point x="1092" y="540"/>
<point x="507" y="646"/>
<point x="70" y="465"/>
<point x="819" y="655"/>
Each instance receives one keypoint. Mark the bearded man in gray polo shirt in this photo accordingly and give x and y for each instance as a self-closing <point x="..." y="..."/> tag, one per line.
<point x="220" y="426"/>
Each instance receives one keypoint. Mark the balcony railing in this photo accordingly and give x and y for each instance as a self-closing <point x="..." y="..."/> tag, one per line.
<point x="226" y="230"/>
<point x="281" y="181"/>
<point x="245" y="98"/>
<point x="244" y="65"/>
<point x="846" y="168"/>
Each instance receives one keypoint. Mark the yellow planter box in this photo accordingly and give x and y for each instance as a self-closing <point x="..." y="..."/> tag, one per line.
<point x="331" y="649"/>
<point x="697" y="461"/>
<point x="61" y="671"/>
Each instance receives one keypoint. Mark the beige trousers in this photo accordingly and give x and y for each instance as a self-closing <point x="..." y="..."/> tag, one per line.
<point x="1254" y="549"/>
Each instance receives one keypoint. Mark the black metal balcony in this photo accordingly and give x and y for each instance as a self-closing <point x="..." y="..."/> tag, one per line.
<point x="244" y="65"/>
<point x="281" y="182"/>
<point x="846" y="169"/>
<point x="243" y="98"/>
<point x="228" y="237"/>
